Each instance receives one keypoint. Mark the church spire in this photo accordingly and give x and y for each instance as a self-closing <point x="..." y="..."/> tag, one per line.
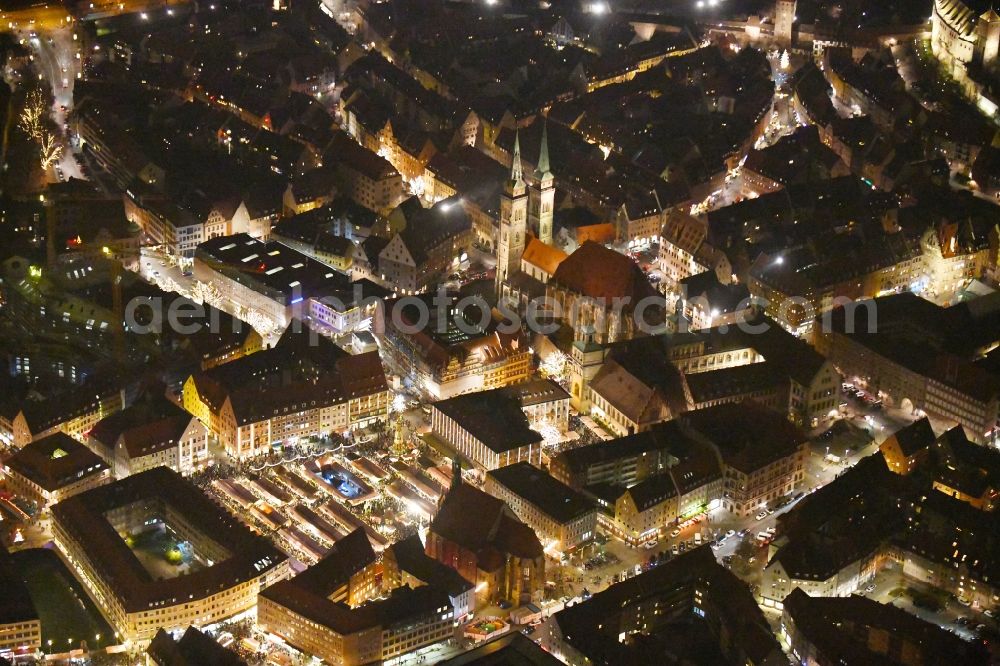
<point x="516" y="172"/>
<point x="543" y="152"/>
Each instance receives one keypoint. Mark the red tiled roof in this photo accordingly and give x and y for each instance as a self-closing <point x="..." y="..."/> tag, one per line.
<point x="594" y="270"/>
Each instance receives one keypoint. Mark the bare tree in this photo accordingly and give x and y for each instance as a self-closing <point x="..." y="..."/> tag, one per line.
<point x="34" y="122"/>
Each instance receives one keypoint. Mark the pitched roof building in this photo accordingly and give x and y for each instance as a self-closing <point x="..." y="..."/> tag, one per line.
<point x="647" y="610"/>
<point x="54" y="468"/>
<point x="192" y="649"/>
<point x="555" y="511"/>
<point x="481" y="538"/>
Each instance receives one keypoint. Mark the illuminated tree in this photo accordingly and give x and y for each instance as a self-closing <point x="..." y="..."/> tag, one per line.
<point x="784" y="59"/>
<point x="34" y="122"/>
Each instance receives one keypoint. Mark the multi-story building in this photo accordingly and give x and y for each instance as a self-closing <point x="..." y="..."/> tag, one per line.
<point x="684" y="251"/>
<point x="763" y="455"/>
<point x="560" y="516"/>
<point x="278" y="283"/>
<point x="347" y="574"/>
<point x="823" y="630"/>
<point x="635" y="388"/>
<point x="704" y="302"/>
<point x="955" y="254"/>
<point x="49" y="470"/>
<point x="74" y="414"/>
<point x="619" y="462"/>
<point x="111" y="144"/>
<point x="934" y="524"/>
<point x="87" y="222"/>
<point x="691" y="484"/>
<point x="485" y="426"/>
<point x="408" y="619"/>
<point x="639" y="221"/>
<point x="759" y="382"/>
<point x="909" y="447"/>
<point x="174" y="228"/>
<point x="147" y="435"/>
<point x="814" y="382"/>
<point x="968" y="45"/>
<point x="965" y="471"/>
<point x="842" y="572"/>
<point x="716" y="607"/>
<point x="431" y="243"/>
<point x="328" y="611"/>
<point x="490" y="428"/>
<point x="460" y="357"/>
<point x="917" y="355"/>
<point x="798" y="157"/>
<point x="481" y="538"/>
<point x="224" y="566"/>
<point x="642" y="511"/>
<point x="312" y="190"/>
<point x="235" y="339"/>
<point x="794" y="288"/>
<point x="20" y="626"/>
<point x="405" y="563"/>
<point x="370" y="179"/>
<point x="286" y="393"/>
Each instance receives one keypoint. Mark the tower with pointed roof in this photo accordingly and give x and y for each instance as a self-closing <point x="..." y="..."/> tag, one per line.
<point x="988" y="29"/>
<point x="513" y="221"/>
<point x="542" y="194"/>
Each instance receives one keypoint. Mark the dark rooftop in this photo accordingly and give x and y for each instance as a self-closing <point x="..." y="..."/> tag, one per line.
<point x="479" y="522"/>
<point x="82" y="517"/>
<point x="593" y="626"/>
<point x="411" y="558"/>
<point x="552" y="497"/>
<point x="748" y="435"/>
<point x="915" y="437"/>
<point x="494" y="417"/>
<point x="842" y="630"/>
<point x="511" y="649"/>
<point x="193" y="649"/>
<point x="403" y="603"/>
<point x="270" y="268"/>
<point x="17" y="604"/>
<point x="55" y="461"/>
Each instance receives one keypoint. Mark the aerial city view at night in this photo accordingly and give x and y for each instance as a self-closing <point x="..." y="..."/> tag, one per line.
<point x="500" y="332"/>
